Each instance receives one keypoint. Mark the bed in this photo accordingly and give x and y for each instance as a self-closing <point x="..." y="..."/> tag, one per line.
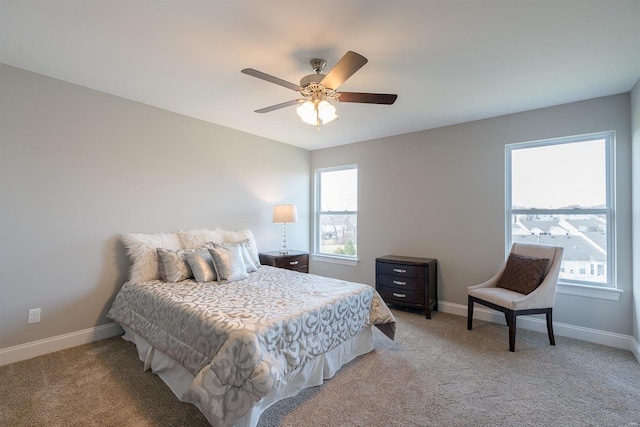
<point x="235" y="347"/>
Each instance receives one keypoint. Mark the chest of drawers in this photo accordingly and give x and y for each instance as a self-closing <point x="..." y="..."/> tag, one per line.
<point x="408" y="281"/>
<point x="294" y="260"/>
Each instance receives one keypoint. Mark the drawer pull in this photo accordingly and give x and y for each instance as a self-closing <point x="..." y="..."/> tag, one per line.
<point x="397" y="282"/>
<point x="293" y="263"/>
<point x="399" y="295"/>
<point x="399" y="270"/>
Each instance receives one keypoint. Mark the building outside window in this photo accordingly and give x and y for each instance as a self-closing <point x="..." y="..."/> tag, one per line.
<point x="560" y="192"/>
<point x="336" y="212"/>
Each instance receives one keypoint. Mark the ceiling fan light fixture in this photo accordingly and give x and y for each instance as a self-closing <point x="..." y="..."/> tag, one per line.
<point x="307" y="113"/>
<point x="313" y="113"/>
<point x="326" y="112"/>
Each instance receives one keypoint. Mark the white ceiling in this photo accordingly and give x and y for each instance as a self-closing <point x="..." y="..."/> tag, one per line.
<point x="449" y="61"/>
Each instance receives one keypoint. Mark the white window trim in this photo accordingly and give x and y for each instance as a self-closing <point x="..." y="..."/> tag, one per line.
<point x="335" y="259"/>
<point x="607" y="291"/>
<point x="599" y="292"/>
<point x="316" y="255"/>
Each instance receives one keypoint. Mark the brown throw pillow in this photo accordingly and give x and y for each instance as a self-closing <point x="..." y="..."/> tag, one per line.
<point x="523" y="274"/>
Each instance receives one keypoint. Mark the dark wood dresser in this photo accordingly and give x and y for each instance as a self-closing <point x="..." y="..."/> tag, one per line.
<point x="294" y="260"/>
<point x="408" y="281"/>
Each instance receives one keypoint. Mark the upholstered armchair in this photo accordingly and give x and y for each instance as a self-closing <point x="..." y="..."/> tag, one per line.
<point x="526" y="284"/>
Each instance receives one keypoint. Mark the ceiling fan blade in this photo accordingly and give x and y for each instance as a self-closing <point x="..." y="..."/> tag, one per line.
<point x="267" y="77"/>
<point x="368" y="98"/>
<point x="345" y="68"/>
<point x="279" y="106"/>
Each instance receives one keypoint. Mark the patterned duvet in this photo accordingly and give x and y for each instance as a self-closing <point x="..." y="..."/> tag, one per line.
<point x="239" y="339"/>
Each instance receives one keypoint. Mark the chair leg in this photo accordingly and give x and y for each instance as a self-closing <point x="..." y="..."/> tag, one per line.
<point x="511" y="321"/>
<point x="469" y="313"/>
<point x="552" y="339"/>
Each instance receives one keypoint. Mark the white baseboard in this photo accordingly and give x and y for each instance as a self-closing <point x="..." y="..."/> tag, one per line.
<point x="611" y="339"/>
<point x="635" y="348"/>
<point x="60" y="342"/>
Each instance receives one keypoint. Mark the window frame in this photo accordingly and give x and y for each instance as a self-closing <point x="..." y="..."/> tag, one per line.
<point x="317" y="255"/>
<point x="607" y="290"/>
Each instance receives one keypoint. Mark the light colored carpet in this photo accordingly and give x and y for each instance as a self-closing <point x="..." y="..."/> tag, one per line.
<point x="436" y="373"/>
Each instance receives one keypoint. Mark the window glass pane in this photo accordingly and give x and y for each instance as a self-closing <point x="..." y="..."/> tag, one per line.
<point x="339" y="190"/>
<point x="559" y="176"/>
<point x="337" y="212"/>
<point x="583" y="238"/>
<point x="338" y="235"/>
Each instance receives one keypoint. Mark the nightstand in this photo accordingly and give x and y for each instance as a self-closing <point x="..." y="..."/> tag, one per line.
<point x="408" y="281"/>
<point x="294" y="260"/>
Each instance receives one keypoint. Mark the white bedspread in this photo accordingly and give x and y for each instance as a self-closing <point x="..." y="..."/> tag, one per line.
<point x="240" y="339"/>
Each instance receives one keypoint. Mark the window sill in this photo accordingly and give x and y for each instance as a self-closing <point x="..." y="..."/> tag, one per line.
<point x="334" y="259"/>
<point x="611" y="294"/>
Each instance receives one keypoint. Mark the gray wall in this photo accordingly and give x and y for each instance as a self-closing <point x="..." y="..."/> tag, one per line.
<point x="78" y="167"/>
<point x="440" y="194"/>
<point x="635" y="128"/>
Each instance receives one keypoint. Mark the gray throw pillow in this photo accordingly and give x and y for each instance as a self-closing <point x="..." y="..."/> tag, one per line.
<point x="201" y="265"/>
<point x="173" y="266"/>
<point x="523" y="274"/>
<point x="245" y="249"/>
<point x="228" y="262"/>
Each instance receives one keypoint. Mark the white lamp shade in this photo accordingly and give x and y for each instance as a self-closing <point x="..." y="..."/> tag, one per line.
<point x="307" y="112"/>
<point x="326" y="112"/>
<point x="285" y="213"/>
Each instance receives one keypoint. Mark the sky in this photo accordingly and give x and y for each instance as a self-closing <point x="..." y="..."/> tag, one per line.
<point x="561" y="175"/>
<point x="340" y="190"/>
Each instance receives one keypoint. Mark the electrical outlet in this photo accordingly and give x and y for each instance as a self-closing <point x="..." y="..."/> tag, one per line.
<point x="34" y="315"/>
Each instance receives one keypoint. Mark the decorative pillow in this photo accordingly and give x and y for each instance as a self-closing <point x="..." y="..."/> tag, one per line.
<point x="246" y="257"/>
<point x="201" y="265"/>
<point x="244" y="250"/>
<point x="173" y="265"/>
<point x="141" y="248"/>
<point x="228" y="263"/>
<point x="242" y="236"/>
<point x="523" y="274"/>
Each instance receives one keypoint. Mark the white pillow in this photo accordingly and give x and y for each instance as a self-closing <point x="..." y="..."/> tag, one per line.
<point x="246" y="256"/>
<point x="141" y="248"/>
<point x="228" y="263"/>
<point x="195" y="239"/>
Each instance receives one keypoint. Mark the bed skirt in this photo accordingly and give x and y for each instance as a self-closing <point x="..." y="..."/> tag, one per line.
<point x="312" y="374"/>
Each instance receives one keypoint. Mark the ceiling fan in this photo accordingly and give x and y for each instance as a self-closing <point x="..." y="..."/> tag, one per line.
<point x="317" y="89"/>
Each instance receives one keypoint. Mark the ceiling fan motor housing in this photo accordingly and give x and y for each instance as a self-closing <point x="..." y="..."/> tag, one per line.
<point x="311" y="78"/>
<point x="318" y="65"/>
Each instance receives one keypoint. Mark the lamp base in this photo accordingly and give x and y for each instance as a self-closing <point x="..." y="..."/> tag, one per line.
<point x="284" y="250"/>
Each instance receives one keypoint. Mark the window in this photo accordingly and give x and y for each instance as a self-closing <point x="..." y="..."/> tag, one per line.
<point x="336" y="219"/>
<point x="560" y="192"/>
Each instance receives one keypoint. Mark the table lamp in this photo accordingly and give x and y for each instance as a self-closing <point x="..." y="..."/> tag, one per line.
<point x="284" y="214"/>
